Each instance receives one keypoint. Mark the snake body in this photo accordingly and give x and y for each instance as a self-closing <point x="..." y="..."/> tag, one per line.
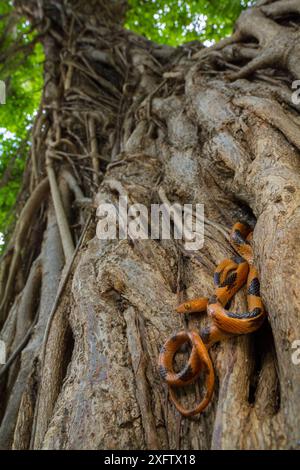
<point x="229" y="277"/>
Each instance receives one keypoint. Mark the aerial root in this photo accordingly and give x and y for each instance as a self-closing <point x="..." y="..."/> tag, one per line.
<point x="272" y="112"/>
<point x="62" y="222"/>
<point x="25" y="313"/>
<point x="276" y="45"/>
<point x="25" y="219"/>
<point x="282" y="7"/>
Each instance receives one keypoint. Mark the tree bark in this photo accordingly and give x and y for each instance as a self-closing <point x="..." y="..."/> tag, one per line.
<point x="121" y="115"/>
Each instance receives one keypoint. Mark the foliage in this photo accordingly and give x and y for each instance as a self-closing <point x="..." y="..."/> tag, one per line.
<point x="21" y="70"/>
<point x="174" y="22"/>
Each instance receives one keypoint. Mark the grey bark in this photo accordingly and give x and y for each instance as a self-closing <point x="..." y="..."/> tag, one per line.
<point x="200" y="126"/>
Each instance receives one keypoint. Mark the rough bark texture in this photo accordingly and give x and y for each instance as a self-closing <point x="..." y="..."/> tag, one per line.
<point x="123" y="116"/>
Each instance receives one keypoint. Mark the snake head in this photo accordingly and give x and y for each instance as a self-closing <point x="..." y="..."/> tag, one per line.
<point x="193" y="306"/>
<point x="183" y="308"/>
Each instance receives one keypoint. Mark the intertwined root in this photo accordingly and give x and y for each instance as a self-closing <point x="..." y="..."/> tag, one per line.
<point x="262" y="41"/>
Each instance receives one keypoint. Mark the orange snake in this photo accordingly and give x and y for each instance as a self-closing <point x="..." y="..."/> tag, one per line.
<point x="229" y="277"/>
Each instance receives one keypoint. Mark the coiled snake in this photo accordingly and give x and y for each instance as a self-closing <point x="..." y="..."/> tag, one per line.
<point x="230" y="275"/>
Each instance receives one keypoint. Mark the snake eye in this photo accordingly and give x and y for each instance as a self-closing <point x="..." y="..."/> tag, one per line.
<point x="187" y="306"/>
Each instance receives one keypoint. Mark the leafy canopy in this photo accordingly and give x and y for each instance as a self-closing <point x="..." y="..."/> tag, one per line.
<point x="21" y="69"/>
<point x="171" y="22"/>
<point x="174" y="22"/>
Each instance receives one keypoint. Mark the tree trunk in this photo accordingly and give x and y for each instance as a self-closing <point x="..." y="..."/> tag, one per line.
<point x="84" y="319"/>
